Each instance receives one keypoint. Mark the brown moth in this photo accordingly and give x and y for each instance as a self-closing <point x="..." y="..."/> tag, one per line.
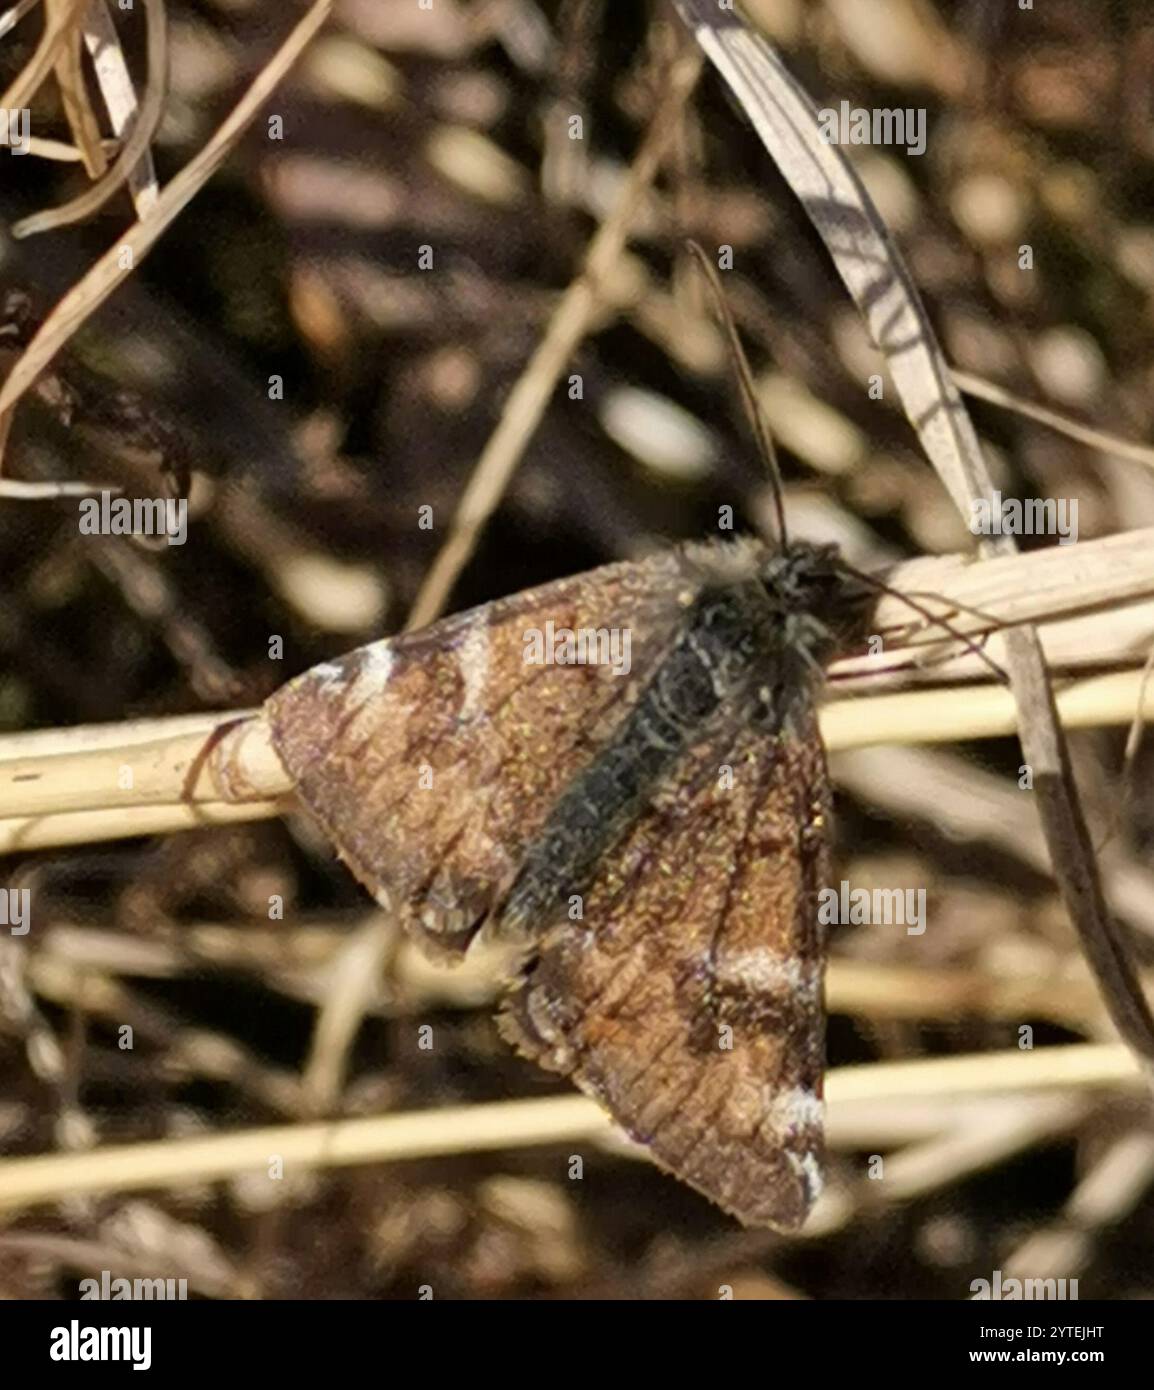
<point x="622" y="771"/>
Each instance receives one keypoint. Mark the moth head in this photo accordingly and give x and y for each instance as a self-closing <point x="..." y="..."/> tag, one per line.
<point x="803" y="576"/>
<point x="811" y="586"/>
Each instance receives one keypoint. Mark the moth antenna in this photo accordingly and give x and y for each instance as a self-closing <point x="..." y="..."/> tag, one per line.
<point x="970" y="645"/>
<point x="740" y="363"/>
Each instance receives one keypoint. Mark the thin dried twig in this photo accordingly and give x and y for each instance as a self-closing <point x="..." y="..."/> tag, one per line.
<point x="74" y="99"/>
<point x="10" y="18"/>
<point x="1113" y="444"/>
<point x="115" y="82"/>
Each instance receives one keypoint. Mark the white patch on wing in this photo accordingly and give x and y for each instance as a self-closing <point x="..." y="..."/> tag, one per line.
<point x="808" y="1169"/>
<point x="474" y="666"/>
<point x="375" y="669"/>
<point x="763" y="970"/>
<point x="797" y="1109"/>
<point x="328" y="673"/>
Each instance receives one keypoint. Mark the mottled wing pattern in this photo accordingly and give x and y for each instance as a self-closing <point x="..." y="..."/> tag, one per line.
<point x="688" y="1000"/>
<point x="433" y="759"/>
